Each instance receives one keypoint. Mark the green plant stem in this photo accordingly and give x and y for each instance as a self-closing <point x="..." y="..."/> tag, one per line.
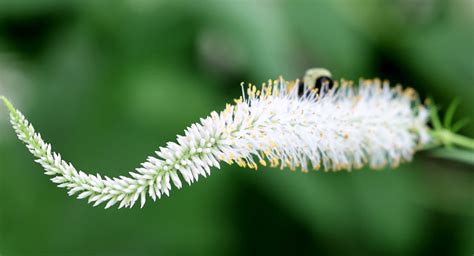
<point x="460" y="155"/>
<point x="449" y="138"/>
<point x="462" y="141"/>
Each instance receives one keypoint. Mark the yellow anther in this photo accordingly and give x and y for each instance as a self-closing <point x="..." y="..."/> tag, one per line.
<point x="237" y="101"/>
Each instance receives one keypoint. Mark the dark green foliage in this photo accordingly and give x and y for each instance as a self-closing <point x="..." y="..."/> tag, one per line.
<point x="107" y="83"/>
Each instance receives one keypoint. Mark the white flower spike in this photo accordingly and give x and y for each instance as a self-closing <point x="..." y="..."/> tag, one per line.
<point x="282" y="124"/>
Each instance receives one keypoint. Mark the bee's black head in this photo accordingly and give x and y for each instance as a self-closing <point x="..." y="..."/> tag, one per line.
<point x="300" y="88"/>
<point x="324" y="81"/>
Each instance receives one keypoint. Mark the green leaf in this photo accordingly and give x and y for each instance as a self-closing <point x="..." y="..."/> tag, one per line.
<point x="435" y="118"/>
<point x="460" y="124"/>
<point x="455" y="154"/>
<point x="448" y="117"/>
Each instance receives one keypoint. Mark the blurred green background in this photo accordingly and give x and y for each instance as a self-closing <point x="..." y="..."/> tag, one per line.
<point x="108" y="82"/>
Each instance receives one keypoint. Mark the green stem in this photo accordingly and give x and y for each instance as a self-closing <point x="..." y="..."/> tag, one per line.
<point x="449" y="138"/>
<point x="462" y="141"/>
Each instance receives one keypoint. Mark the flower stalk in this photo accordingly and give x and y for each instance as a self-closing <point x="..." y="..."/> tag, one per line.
<point x="448" y="138"/>
<point x="339" y="128"/>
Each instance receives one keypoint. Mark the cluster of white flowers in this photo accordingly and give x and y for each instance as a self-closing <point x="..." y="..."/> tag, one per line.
<point x="337" y="128"/>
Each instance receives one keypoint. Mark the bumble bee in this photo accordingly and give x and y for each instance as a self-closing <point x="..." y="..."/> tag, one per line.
<point x="316" y="78"/>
